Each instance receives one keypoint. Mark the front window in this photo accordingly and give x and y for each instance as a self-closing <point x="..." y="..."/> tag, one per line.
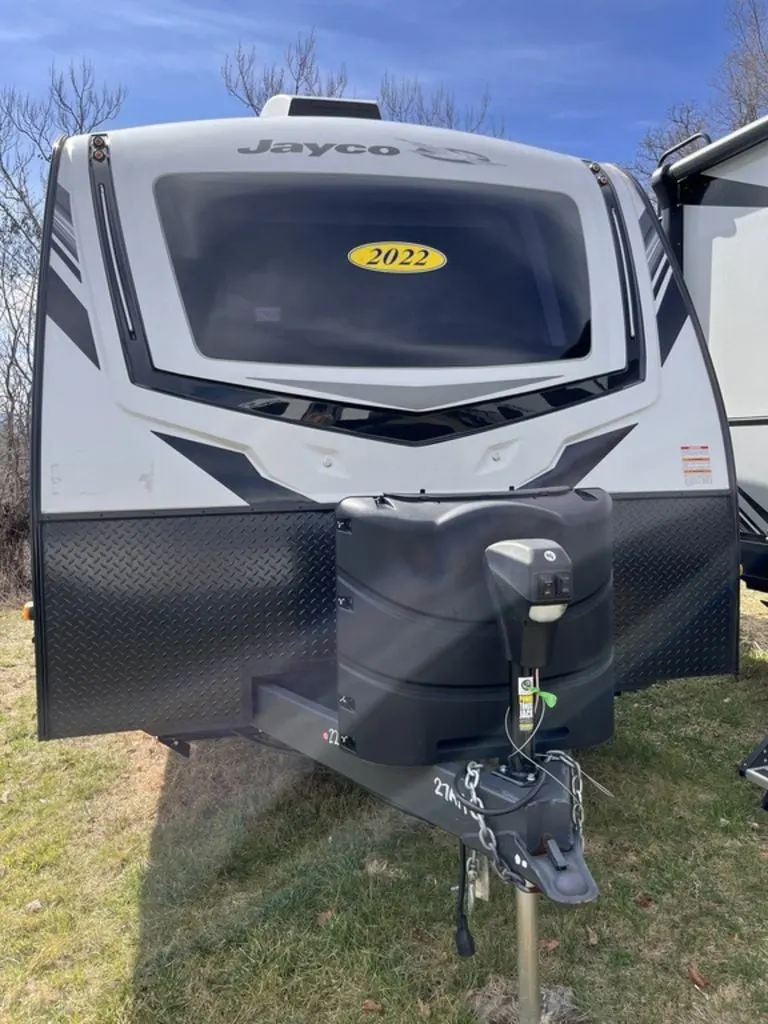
<point x="284" y="269"/>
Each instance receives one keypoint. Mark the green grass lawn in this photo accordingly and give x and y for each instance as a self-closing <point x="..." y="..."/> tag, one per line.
<point x="246" y="886"/>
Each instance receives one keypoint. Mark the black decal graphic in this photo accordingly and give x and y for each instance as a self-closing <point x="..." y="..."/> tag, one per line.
<point x="70" y="315"/>
<point x="671" y="316"/>
<point x="235" y="471"/>
<point x="65" y="259"/>
<point x="580" y="458"/>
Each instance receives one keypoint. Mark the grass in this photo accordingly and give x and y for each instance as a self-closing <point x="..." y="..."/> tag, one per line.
<point x="245" y="886"/>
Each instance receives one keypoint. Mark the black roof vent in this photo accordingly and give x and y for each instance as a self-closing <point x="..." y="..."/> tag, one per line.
<point x="320" y="106"/>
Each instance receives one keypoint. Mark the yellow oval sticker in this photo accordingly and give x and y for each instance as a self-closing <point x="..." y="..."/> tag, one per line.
<point x="397" y="257"/>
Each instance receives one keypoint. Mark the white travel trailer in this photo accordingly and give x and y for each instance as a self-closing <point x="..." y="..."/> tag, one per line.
<point x="398" y="445"/>
<point x="714" y="205"/>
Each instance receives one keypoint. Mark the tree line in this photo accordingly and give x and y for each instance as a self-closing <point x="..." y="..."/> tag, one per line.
<point x="75" y="101"/>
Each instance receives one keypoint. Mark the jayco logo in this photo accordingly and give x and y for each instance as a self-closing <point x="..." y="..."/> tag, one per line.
<point x="316" y="148"/>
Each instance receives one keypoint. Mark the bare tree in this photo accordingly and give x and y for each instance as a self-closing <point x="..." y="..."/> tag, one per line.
<point x="741" y="82"/>
<point x="252" y="82"/>
<point x="739" y="89"/>
<point x="406" y="100"/>
<point x="72" y="102"/>
<point x="682" y="121"/>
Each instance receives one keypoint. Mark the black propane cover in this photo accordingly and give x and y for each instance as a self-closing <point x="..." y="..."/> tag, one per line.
<point x="421" y="670"/>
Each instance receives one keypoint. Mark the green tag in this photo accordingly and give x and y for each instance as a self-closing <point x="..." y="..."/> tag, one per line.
<point x="550" y="699"/>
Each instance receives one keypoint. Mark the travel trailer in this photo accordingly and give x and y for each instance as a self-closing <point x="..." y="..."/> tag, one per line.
<point x="714" y="208"/>
<point x="399" y="446"/>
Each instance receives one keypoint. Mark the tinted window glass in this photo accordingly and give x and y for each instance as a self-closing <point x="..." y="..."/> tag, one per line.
<point x="263" y="270"/>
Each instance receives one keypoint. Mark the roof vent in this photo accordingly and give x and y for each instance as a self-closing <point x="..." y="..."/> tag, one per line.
<point x="320" y="106"/>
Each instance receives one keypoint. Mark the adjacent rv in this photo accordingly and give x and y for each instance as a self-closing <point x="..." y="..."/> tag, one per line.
<point x="714" y="206"/>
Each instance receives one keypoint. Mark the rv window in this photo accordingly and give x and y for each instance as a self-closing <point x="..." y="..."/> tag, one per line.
<point x="263" y="269"/>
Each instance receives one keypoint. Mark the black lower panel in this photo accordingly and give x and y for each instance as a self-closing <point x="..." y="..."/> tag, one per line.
<point x="159" y="623"/>
<point x="676" y="588"/>
<point x="149" y="623"/>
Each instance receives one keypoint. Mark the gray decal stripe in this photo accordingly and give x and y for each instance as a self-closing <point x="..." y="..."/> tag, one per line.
<point x="61" y="224"/>
<point x="414" y="399"/>
<point x="656" y="257"/>
<point x="704" y="190"/>
<point x="654" y="250"/>
<point x="646" y="226"/>
<point x="64" y="202"/>
<point x="671" y="316"/>
<point x="672" y="311"/>
<point x="580" y="458"/>
<point x="65" y="259"/>
<point x="235" y="471"/>
<point x="61" y="231"/>
<point x="70" y="315"/>
<point x="660" y="281"/>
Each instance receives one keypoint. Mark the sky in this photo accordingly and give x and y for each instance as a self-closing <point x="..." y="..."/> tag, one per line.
<point x="586" y="77"/>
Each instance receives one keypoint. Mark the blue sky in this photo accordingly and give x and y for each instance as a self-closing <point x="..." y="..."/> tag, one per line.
<point x="585" y="76"/>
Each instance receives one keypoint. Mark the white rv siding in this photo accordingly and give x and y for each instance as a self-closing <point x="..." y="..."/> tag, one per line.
<point x="100" y="452"/>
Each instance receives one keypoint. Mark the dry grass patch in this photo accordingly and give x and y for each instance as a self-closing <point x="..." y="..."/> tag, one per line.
<point x="247" y="886"/>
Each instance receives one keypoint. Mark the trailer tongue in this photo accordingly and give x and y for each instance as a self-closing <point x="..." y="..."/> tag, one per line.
<point x="403" y="696"/>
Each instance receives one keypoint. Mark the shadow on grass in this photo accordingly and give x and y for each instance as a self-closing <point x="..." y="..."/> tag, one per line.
<point x="253" y="853"/>
<point x="256" y="905"/>
<point x="229" y="818"/>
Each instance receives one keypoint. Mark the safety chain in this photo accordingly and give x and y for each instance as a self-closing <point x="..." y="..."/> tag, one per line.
<point x="485" y="833"/>
<point x="577" y="787"/>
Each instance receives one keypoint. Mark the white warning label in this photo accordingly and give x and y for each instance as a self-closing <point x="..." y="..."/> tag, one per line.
<point x="697" y="465"/>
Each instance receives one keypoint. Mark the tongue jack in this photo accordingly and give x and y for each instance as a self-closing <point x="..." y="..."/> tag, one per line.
<point x="531" y="582"/>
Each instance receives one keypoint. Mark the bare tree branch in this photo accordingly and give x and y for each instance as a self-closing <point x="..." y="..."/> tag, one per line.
<point x="252" y="83"/>
<point x="406" y="100"/>
<point x="740" y="89"/>
<point x="742" y="79"/>
<point x="682" y="121"/>
<point x="73" y="102"/>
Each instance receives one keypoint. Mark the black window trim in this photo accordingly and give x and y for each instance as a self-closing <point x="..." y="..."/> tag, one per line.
<point x="441" y="425"/>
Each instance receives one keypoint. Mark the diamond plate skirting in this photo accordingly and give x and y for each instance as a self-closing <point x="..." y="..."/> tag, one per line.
<point x="676" y="566"/>
<point x="150" y="622"/>
<point x="154" y="622"/>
